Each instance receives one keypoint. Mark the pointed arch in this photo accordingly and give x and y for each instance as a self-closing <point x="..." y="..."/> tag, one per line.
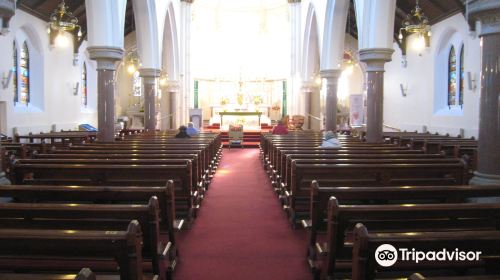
<point x="311" y="53"/>
<point x="170" y="49"/>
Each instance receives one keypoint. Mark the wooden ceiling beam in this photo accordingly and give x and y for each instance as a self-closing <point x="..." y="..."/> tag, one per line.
<point x="437" y="5"/>
<point x="33" y="12"/>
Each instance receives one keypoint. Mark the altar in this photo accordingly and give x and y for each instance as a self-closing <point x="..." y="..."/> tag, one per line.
<point x="239" y="113"/>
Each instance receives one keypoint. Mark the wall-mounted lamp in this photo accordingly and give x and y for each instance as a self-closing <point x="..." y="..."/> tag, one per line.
<point x="471" y="79"/>
<point x="75" y="88"/>
<point x="404" y="90"/>
<point x="6" y="79"/>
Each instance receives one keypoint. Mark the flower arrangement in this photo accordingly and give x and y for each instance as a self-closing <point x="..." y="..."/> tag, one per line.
<point x="224" y="100"/>
<point x="276" y="107"/>
<point x="257" y="100"/>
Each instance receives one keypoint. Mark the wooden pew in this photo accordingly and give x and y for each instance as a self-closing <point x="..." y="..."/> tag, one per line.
<point x="418" y="276"/>
<point x="202" y="161"/>
<point x="196" y="162"/>
<point x="186" y="196"/>
<point x="103" y="195"/>
<point x="364" y="266"/>
<point x="363" y="174"/>
<point x="74" y="217"/>
<point x="84" y="274"/>
<point x="45" y="246"/>
<point x="283" y="176"/>
<point x="317" y="223"/>
<point x="448" y="218"/>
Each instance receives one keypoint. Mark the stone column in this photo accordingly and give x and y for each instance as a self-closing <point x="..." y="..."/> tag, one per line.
<point x="375" y="58"/>
<point x="307" y="91"/>
<point x="295" y="56"/>
<point x="173" y="92"/>
<point x="488" y="168"/>
<point x="332" y="78"/>
<point x="106" y="58"/>
<point x="149" y="78"/>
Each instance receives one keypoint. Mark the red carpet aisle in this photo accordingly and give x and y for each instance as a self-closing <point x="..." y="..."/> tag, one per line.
<point x="241" y="231"/>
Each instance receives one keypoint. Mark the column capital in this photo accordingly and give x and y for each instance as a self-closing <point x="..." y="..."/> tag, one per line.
<point x="293" y="1"/>
<point x="149" y="75"/>
<point x="330" y="73"/>
<point x="188" y="1"/>
<point x="309" y="86"/>
<point x="173" y="86"/>
<point x="105" y="56"/>
<point x="375" y="58"/>
<point x="487" y="12"/>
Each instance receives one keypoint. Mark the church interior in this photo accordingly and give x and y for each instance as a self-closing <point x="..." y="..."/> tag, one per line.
<point x="249" y="139"/>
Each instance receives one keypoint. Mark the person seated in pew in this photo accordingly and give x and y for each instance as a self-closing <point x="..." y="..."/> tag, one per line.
<point x="330" y="140"/>
<point x="182" y="132"/>
<point x="191" y="130"/>
<point x="280" y="128"/>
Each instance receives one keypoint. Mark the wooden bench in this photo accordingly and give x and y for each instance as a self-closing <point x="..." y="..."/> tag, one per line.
<point x="374" y="175"/>
<point x="48" y="247"/>
<point x="202" y="161"/>
<point x="186" y="196"/>
<point x="285" y="181"/>
<point x="418" y="276"/>
<point x="364" y="266"/>
<point x="102" y="195"/>
<point x="84" y="274"/>
<point x="74" y="217"/>
<point x="317" y="222"/>
<point x="449" y="218"/>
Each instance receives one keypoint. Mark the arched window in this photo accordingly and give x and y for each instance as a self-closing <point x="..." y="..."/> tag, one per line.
<point x="84" y="85"/>
<point x="462" y="74"/>
<point x="452" y="77"/>
<point x="14" y="70"/>
<point x="24" y="67"/>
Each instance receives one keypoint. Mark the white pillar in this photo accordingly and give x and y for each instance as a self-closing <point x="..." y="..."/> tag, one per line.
<point x="185" y="61"/>
<point x="294" y="87"/>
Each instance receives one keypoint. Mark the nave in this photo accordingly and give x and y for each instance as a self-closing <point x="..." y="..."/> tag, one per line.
<point x="241" y="232"/>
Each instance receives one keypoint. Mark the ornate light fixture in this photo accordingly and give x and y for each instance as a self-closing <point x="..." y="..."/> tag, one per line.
<point x="132" y="62"/>
<point x="62" y="20"/>
<point x="415" y="23"/>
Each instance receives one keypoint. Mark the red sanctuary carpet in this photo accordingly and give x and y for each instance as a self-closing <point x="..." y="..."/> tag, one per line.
<point x="241" y="231"/>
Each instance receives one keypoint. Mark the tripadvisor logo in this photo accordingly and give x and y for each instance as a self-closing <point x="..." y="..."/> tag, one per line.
<point x="387" y="255"/>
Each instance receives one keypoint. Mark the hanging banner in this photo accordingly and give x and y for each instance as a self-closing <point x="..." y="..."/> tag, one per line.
<point x="356" y="110"/>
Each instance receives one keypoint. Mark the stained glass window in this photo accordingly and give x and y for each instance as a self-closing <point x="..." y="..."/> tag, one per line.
<point x="84" y="85"/>
<point x="462" y="73"/>
<point x="14" y="70"/>
<point x="452" y="77"/>
<point x="24" y="67"/>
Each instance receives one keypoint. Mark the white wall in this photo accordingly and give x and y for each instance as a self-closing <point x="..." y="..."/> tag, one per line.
<point x="56" y="79"/>
<point x="426" y="80"/>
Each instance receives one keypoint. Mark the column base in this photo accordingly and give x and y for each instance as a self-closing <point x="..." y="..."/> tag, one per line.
<point x="484" y="179"/>
<point x="3" y="179"/>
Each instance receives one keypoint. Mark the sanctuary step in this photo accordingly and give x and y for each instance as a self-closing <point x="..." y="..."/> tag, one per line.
<point x="250" y="138"/>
